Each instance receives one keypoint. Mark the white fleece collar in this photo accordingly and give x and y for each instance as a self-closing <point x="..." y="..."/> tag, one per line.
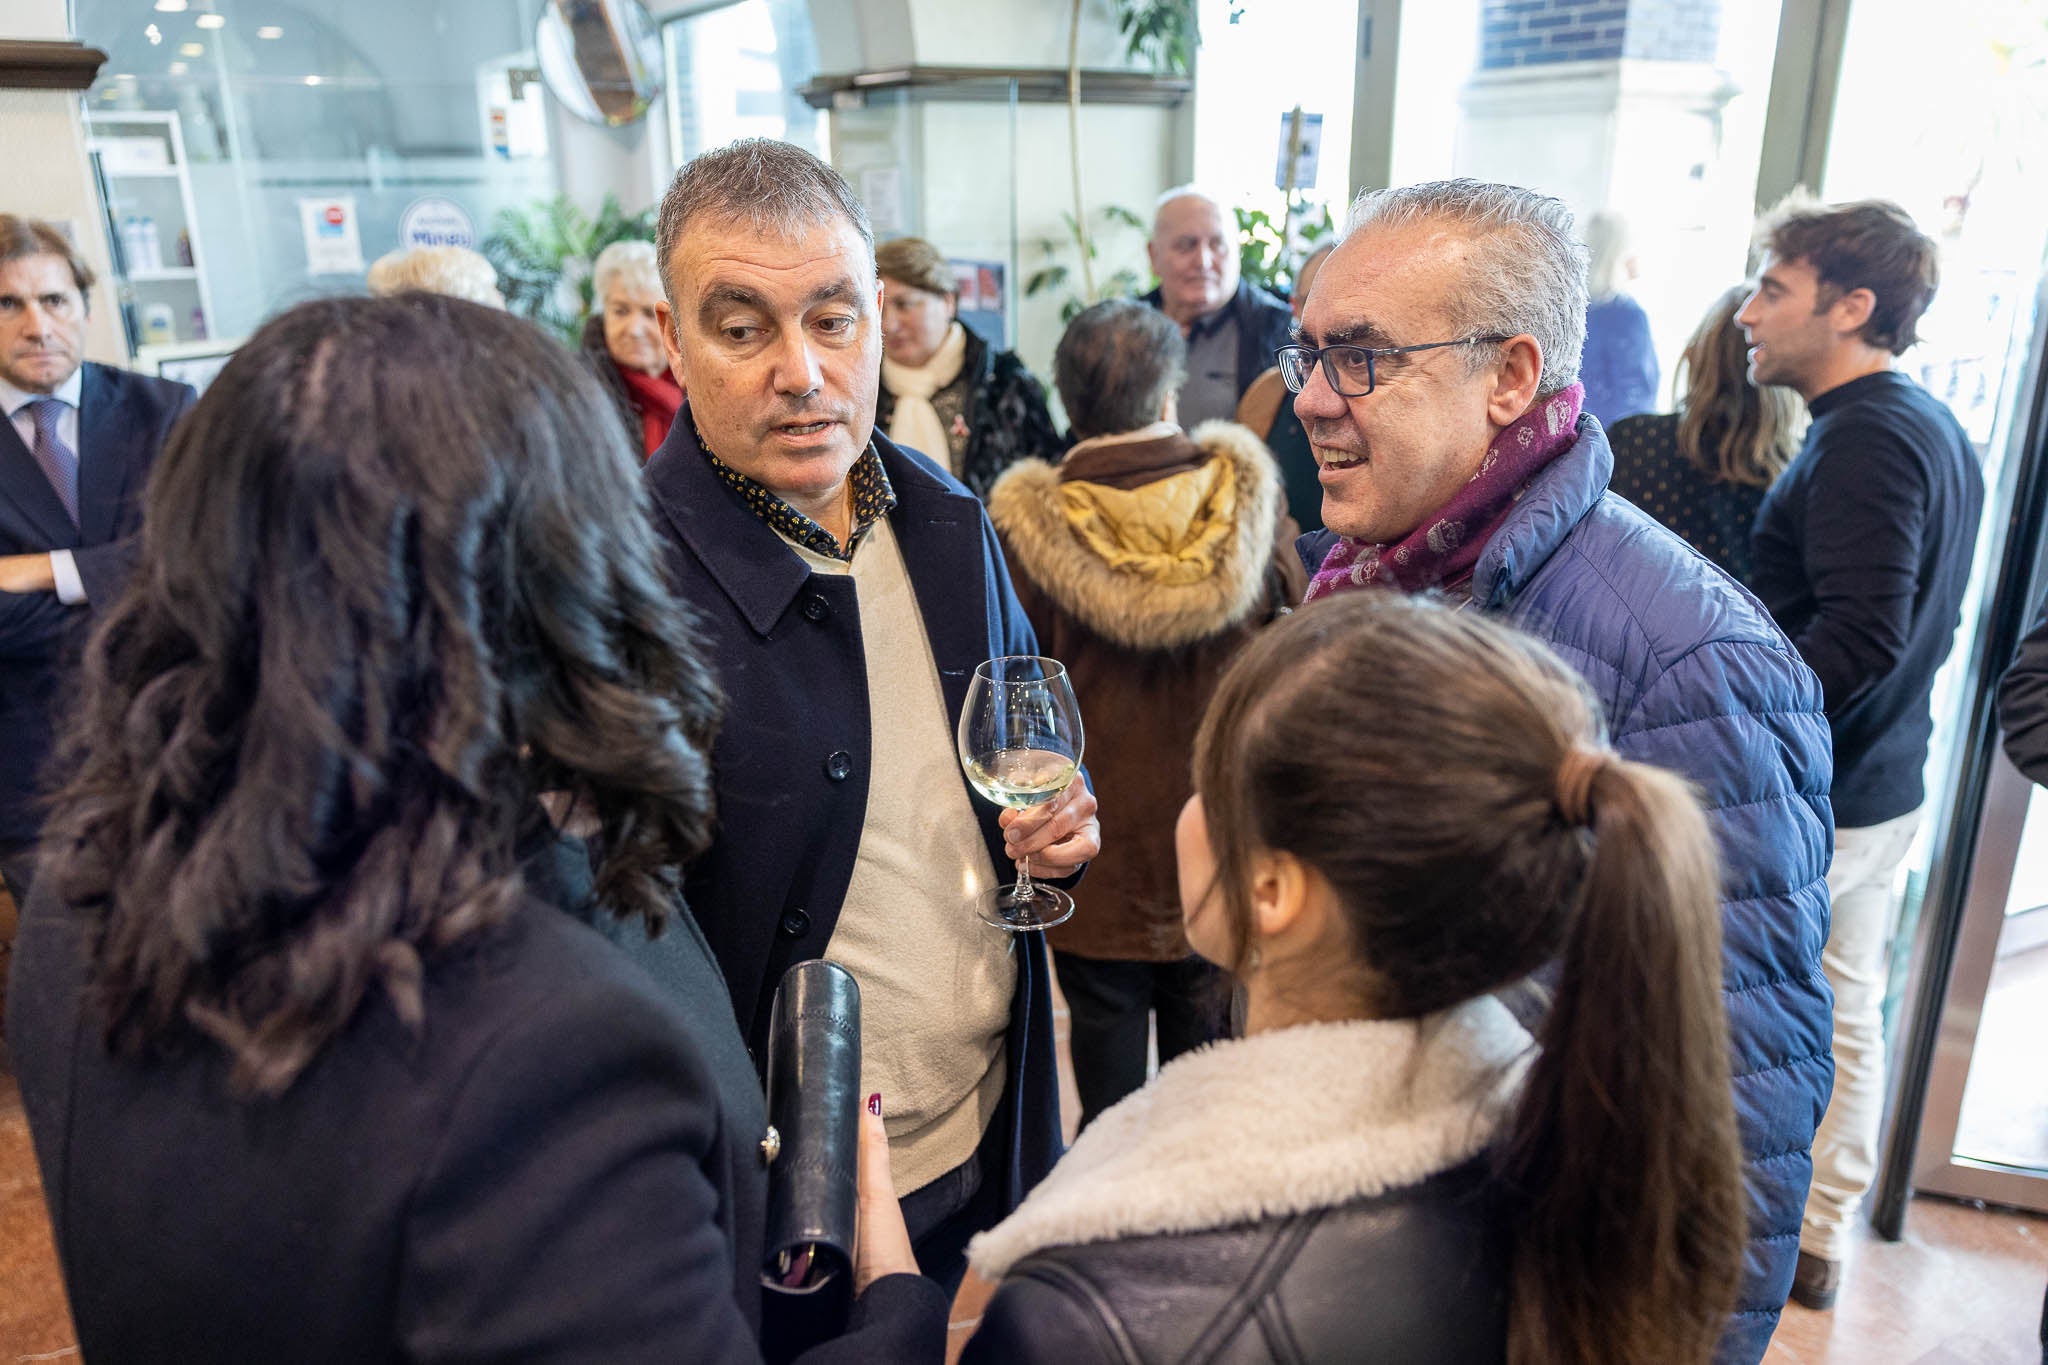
<point x="1280" y="1123"/>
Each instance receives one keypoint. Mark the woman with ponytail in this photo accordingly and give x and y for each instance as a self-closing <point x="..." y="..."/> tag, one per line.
<point x="1402" y="811"/>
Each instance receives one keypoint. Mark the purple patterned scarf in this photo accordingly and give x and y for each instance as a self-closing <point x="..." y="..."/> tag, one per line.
<point x="1445" y="547"/>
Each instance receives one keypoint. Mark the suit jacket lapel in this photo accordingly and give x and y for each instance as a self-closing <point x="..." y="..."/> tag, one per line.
<point x="108" y="430"/>
<point x="25" y="487"/>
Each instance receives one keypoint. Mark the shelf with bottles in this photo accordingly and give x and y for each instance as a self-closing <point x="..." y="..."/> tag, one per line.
<point x="153" y="226"/>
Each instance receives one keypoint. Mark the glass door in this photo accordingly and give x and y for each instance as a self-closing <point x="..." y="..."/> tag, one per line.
<point x="1964" y="1023"/>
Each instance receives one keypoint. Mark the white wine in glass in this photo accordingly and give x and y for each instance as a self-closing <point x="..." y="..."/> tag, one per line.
<point x="1020" y="744"/>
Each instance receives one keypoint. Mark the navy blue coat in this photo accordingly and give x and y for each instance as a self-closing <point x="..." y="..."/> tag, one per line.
<point x="1693" y="676"/>
<point x="122" y="421"/>
<point x="792" y="757"/>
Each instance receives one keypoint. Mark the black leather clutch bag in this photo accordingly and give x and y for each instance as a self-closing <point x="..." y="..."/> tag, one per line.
<point x="814" y="1142"/>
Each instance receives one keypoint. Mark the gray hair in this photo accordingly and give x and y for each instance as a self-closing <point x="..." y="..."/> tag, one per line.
<point x="632" y="261"/>
<point x="455" y="271"/>
<point x="1528" y="269"/>
<point x="1115" y="366"/>
<point x="770" y="186"/>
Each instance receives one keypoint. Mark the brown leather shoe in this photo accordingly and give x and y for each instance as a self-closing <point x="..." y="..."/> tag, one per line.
<point x="1816" y="1282"/>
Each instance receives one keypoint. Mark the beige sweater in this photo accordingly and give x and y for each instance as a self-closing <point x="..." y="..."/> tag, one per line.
<point x="935" y="982"/>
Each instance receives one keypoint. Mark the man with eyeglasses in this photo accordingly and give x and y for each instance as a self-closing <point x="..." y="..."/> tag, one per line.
<point x="77" y="443"/>
<point x="1435" y="369"/>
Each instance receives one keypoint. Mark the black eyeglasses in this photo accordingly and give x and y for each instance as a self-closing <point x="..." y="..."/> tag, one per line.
<point x="1350" y="369"/>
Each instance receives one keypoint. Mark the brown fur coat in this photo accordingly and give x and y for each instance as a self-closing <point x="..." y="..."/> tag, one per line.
<point x="1145" y="561"/>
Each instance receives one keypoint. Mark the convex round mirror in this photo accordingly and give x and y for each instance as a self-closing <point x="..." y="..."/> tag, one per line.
<point x="600" y="58"/>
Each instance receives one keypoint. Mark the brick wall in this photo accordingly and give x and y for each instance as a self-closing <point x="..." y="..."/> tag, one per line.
<point x="1532" y="32"/>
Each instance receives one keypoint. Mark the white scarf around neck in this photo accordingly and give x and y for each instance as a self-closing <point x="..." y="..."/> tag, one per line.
<point x="915" y="422"/>
<point x="1276" y="1124"/>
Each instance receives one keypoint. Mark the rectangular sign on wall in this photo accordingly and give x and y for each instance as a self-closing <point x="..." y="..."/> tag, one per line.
<point x="334" y="243"/>
<point x="1306" y="153"/>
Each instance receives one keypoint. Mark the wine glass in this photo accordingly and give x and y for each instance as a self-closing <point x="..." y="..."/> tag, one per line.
<point x="1020" y="742"/>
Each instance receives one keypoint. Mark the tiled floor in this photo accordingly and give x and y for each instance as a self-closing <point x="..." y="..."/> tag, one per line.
<point x="1963" y="1288"/>
<point x="35" y="1324"/>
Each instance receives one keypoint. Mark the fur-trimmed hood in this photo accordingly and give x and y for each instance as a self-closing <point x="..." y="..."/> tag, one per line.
<point x="1152" y="540"/>
<point x="1280" y="1123"/>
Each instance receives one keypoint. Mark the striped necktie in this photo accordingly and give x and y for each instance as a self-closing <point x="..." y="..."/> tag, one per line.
<point x="58" y="461"/>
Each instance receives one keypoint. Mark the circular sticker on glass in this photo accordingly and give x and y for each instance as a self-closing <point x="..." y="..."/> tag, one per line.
<point x="435" y="221"/>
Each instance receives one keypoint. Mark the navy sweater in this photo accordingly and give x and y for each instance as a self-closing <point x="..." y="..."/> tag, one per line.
<point x="1862" y="553"/>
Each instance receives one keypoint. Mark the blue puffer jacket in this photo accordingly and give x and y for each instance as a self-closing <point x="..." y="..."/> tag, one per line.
<point x="1695" y="678"/>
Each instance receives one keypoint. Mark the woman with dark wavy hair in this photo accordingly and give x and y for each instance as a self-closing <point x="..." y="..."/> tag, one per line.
<point x="316" y="1064"/>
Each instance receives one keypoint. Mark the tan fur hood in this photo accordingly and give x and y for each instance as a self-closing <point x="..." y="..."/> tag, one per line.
<point x="1154" y="567"/>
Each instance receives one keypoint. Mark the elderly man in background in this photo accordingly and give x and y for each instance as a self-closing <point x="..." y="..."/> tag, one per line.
<point x="846" y="589"/>
<point x="1231" y="325"/>
<point x="622" y="342"/>
<point x="1437" y="378"/>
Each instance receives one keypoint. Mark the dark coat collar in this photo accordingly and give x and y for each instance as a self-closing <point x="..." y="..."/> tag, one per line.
<point x="750" y="563"/>
<point x="1127" y="461"/>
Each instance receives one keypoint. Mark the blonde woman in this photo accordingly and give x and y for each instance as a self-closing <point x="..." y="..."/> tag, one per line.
<point x="1703" y="471"/>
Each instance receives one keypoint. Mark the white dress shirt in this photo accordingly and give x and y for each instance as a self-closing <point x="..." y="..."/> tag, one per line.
<point x="15" y="402"/>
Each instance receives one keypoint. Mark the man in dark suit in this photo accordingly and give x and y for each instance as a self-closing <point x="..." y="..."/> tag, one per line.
<point x="846" y="589"/>
<point x="74" y="451"/>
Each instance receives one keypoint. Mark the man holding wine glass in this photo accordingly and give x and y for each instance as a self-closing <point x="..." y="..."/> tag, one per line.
<point x="848" y="590"/>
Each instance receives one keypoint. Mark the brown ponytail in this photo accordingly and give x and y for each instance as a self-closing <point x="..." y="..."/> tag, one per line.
<point x="1623" y="1155"/>
<point x="1447" y="776"/>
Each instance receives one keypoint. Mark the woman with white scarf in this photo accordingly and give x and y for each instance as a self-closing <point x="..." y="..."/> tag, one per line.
<point x="947" y="393"/>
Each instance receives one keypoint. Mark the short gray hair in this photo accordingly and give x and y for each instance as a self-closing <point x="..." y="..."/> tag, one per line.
<point x="632" y="261"/>
<point x="1115" y="366"/>
<point x="1528" y="268"/>
<point x="768" y="185"/>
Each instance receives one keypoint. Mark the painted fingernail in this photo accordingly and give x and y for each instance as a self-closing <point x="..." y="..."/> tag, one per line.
<point x="875" y="1104"/>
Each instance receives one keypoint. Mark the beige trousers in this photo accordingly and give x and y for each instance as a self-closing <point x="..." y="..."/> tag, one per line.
<point x="1857" y="960"/>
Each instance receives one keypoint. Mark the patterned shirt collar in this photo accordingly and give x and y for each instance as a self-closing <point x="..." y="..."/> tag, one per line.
<point x="873" y="498"/>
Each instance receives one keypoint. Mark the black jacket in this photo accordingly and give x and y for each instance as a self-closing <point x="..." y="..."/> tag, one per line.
<point x="1417" y="1276"/>
<point x="1005" y="412"/>
<point x="1862" y="553"/>
<point x="2023" y="704"/>
<point x="1306" y="1194"/>
<point x="562" y="1166"/>
<point x="122" y="421"/>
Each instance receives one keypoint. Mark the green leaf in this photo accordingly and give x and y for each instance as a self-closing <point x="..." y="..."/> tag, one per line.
<point x="1117" y="213"/>
<point x="1052" y="277"/>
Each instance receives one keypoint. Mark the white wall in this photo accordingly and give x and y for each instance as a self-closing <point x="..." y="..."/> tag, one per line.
<point x="975" y="191"/>
<point x="42" y="145"/>
<point x="1009" y="32"/>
